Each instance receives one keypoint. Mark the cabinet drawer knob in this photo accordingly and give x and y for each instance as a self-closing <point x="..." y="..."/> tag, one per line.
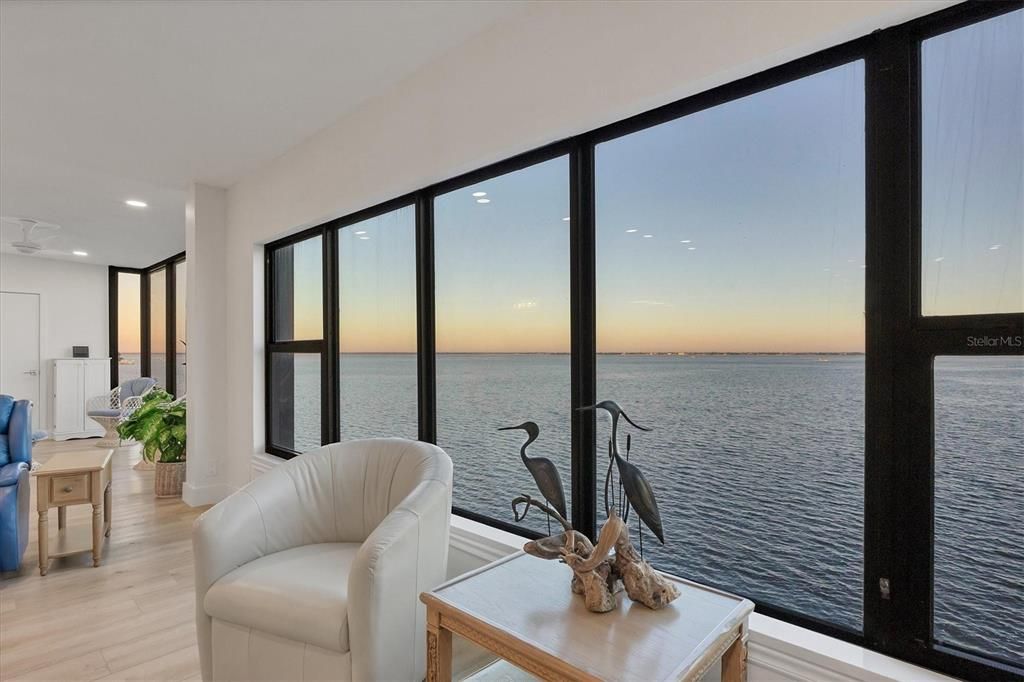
<point x="67" y="488"/>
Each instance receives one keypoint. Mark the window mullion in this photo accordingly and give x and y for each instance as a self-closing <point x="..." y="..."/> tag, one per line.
<point x="897" y="523"/>
<point x="330" y="388"/>
<point x="425" y="353"/>
<point x="583" y="344"/>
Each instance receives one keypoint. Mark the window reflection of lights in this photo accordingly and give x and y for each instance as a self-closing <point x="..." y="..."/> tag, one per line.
<point x="524" y="305"/>
<point x="685" y="241"/>
<point x="361" y="232"/>
<point x="483" y="201"/>
<point x="479" y="194"/>
<point x="940" y="259"/>
<point x="691" y="248"/>
<point x="995" y="247"/>
<point x="631" y="230"/>
<point x="565" y="219"/>
<point x="364" y="238"/>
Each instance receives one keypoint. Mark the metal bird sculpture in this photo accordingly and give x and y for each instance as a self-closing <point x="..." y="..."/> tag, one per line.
<point x="543" y="470"/>
<point x="638" y="491"/>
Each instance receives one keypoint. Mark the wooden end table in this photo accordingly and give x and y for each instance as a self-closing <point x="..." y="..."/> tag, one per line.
<point x="69" y="478"/>
<point x="521" y="608"/>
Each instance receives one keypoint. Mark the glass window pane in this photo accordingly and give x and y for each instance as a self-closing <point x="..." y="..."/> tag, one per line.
<point x="730" y="319"/>
<point x="295" y="400"/>
<point x="298" y="295"/>
<point x="158" y="326"/>
<point x="180" y="323"/>
<point x="377" y="326"/>
<point x="502" y="330"/>
<point x="129" y="326"/>
<point x="979" y="504"/>
<point x="972" y="110"/>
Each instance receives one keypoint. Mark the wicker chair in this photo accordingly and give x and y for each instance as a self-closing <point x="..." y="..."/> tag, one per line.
<point x="110" y="409"/>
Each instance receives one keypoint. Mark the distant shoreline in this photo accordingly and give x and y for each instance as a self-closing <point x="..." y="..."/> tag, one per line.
<point x="621" y="354"/>
<point x="637" y="353"/>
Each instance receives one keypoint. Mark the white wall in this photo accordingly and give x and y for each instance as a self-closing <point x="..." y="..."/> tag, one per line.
<point x="559" y="69"/>
<point x="73" y="301"/>
<point x="205" y="238"/>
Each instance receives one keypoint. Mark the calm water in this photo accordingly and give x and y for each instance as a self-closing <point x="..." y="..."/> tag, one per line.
<point x="757" y="462"/>
<point x="130" y="367"/>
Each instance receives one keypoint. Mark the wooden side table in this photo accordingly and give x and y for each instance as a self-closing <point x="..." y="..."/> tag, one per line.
<point x="521" y="608"/>
<point x="69" y="478"/>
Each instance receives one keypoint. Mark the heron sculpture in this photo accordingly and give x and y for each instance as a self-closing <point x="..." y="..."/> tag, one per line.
<point x="543" y="470"/>
<point x="639" y="493"/>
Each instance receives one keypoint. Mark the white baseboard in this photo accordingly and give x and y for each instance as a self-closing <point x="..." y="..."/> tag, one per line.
<point x="261" y="463"/>
<point x="204" y="495"/>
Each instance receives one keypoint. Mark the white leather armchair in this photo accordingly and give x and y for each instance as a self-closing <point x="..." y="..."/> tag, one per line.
<point x="313" y="571"/>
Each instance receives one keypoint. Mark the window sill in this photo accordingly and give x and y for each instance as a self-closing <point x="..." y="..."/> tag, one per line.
<point x="778" y="650"/>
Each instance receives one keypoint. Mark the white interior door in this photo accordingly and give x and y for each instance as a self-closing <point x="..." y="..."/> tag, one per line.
<point x="19" y="348"/>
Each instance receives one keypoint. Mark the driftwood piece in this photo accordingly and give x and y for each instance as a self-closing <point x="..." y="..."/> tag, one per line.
<point x="643" y="584"/>
<point x="596" y="575"/>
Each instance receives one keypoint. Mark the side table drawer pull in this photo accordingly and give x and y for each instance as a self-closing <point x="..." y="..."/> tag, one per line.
<point x="70" y="489"/>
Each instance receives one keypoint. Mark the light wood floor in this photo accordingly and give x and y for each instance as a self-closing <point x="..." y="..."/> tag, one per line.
<point x="132" y="618"/>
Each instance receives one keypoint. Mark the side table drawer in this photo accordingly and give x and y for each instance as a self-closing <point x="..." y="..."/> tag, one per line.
<point x="69" y="489"/>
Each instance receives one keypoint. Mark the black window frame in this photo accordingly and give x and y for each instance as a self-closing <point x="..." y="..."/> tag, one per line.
<point x="171" y="349"/>
<point x="900" y="343"/>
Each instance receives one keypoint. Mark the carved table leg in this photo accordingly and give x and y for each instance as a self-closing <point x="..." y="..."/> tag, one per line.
<point x="439" y="649"/>
<point x="734" y="660"/>
<point x="107" y="513"/>
<point x="44" y="536"/>
<point x="97" y="534"/>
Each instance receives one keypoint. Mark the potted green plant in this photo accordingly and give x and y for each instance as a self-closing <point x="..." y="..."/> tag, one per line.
<point x="159" y="424"/>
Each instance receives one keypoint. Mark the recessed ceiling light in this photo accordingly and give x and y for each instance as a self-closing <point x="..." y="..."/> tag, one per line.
<point x="80" y="253"/>
<point x="479" y="194"/>
<point x="361" y="232"/>
<point x="648" y="236"/>
<point x="685" y="241"/>
<point x="483" y="201"/>
<point x="631" y="230"/>
<point x="691" y="248"/>
<point x="566" y="219"/>
<point x="135" y="203"/>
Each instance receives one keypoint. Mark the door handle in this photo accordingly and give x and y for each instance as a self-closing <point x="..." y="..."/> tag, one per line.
<point x="32" y="372"/>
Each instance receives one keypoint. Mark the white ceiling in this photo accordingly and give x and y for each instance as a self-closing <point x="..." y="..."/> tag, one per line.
<point x="106" y="101"/>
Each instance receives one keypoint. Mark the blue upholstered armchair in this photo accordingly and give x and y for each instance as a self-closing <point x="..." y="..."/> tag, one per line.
<point x="15" y="461"/>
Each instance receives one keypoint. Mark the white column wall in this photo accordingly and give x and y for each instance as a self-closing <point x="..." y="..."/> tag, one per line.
<point x="559" y="69"/>
<point x="207" y="478"/>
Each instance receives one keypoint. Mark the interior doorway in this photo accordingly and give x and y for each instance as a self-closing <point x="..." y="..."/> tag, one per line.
<point x="20" y="373"/>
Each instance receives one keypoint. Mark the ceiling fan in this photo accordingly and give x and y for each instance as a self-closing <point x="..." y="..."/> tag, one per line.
<point x="33" y="234"/>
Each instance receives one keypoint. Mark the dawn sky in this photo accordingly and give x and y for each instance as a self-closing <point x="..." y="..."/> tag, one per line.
<point x="739" y="228"/>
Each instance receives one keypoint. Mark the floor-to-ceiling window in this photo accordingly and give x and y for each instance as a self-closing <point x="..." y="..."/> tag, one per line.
<point x="147" y="323"/>
<point x="180" y="326"/>
<point x="158" y="326"/>
<point x="972" y="212"/>
<point x="377" y="326"/>
<point x="807" y="283"/>
<point x="297" y="355"/>
<point x="730" y="320"/>
<point x="128" y="329"/>
<point x="501" y="262"/>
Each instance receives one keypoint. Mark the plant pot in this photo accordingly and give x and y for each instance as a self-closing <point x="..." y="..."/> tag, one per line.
<point x="168" y="480"/>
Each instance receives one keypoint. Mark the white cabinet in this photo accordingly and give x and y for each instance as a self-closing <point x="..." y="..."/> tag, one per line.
<point x="75" y="380"/>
